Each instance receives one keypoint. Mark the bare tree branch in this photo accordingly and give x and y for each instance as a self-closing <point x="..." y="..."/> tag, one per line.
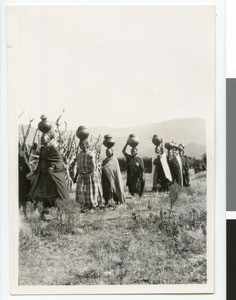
<point x="21" y="114"/>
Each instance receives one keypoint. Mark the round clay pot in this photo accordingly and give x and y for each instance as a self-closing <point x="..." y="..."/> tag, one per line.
<point x="174" y="145"/>
<point x="108" y="142"/>
<point x="44" y="126"/>
<point x="156" y="139"/>
<point x="133" y="141"/>
<point x="107" y="136"/>
<point x="82" y="133"/>
<point x="168" y="145"/>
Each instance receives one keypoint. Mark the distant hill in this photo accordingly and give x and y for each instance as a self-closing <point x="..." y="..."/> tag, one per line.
<point x="191" y="132"/>
<point x="195" y="150"/>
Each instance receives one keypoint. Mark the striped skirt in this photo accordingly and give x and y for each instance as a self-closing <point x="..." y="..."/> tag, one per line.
<point x="89" y="191"/>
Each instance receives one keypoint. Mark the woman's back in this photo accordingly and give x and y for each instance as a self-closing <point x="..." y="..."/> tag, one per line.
<point x="85" y="162"/>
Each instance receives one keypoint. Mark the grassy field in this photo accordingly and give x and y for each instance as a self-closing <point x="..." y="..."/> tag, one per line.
<point x="158" y="239"/>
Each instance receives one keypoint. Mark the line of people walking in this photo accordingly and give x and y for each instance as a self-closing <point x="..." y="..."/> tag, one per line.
<point x="98" y="184"/>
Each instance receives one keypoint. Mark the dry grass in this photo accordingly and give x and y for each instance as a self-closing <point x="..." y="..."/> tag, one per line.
<point x="144" y="241"/>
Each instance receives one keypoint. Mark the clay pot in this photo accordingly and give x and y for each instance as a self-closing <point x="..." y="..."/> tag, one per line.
<point x="174" y="145"/>
<point x="82" y="133"/>
<point x="108" y="142"/>
<point x="133" y="141"/>
<point x="168" y="145"/>
<point x="156" y="139"/>
<point x="44" y="126"/>
<point x="107" y="136"/>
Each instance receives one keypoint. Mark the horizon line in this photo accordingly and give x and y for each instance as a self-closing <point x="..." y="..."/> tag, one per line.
<point x="134" y="125"/>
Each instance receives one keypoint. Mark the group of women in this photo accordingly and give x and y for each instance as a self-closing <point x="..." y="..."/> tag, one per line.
<point x="95" y="186"/>
<point x="171" y="167"/>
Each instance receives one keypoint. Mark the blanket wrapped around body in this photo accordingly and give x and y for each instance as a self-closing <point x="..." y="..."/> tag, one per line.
<point x="135" y="174"/>
<point x="24" y="183"/>
<point x="175" y="169"/>
<point x="88" y="190"/>
<point x="112" y="181"/>
<point x="49" y="181"/>
<point x="162" y="175"/>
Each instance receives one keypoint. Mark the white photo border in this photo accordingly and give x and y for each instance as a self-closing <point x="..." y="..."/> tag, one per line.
<point x="133" y="290"/>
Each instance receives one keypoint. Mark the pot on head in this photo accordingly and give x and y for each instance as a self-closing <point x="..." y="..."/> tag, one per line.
<point x="108" y="142"/>
<point x="44" y="126"/>
<point x="133" y="141"/>
<point x="82" y="133"/>
<point x="168" y="145"/>
<point x="156" y="139"/>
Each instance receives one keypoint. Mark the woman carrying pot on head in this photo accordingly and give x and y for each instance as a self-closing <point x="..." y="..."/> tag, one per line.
<point x="111" y="179"/>
<point x="174" y="163"/>
<point x="162" y="176"/>
<point x="88" y="191"/>
<point x="135" y="170"/>
<point x="48" y="182"/>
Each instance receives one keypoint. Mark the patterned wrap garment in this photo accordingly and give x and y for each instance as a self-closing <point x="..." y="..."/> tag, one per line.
<point x="88" y="191"/>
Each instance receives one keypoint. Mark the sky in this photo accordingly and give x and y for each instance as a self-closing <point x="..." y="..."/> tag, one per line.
<point x="114" y="66"/>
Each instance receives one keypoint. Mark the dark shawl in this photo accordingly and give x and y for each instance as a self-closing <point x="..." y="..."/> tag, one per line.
<point x="160" y="182"/>
<point x="185" y="167"/>
<point x="24" y="183"/>
<point x="135" y="171"/>
<point x="47" y="183"/>
<point x="174" y="169"/>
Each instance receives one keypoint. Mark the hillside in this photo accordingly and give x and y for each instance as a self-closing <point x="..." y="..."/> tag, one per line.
<point x="190" y="132"/>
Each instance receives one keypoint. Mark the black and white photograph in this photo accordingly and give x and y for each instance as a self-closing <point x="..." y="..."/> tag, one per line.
<point x="112" y="139"/>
